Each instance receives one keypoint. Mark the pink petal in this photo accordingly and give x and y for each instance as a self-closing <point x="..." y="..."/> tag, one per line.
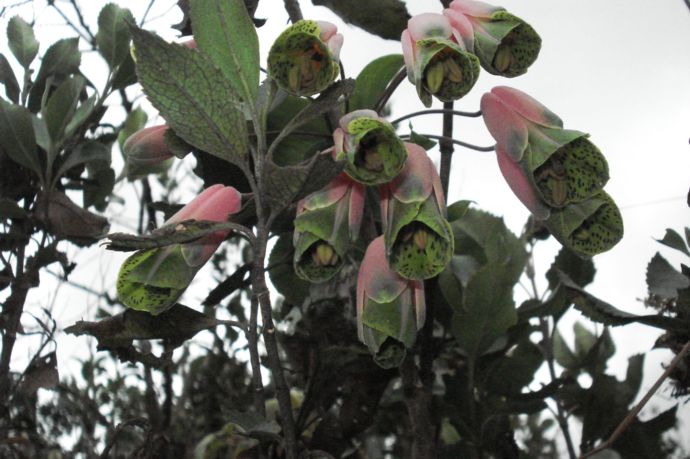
<point x="521" y="185"/>
<point x="415" y="180"/>
<point x="147" y="146"/>
<point x="356" y="211"/>
<point x="462" y="28"/>
<point x="427" y="25"/>
<point x="328" y="195"/>
<point x="326" y="30"/>
<point x="527" y="106"/>
<point x="409" y="53"/>
<point x="507" y="127"/>
<point x="335" y="43"/>
<point x="474" y="8"/>
<point x="215" y="203"/>
<point x="379" y="281"/>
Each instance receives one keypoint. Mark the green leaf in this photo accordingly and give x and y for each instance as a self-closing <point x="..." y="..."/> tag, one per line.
<point x="66" y="220"/>
<point x="136" y="119"/>
<point x="60" y="108"/>
<point x="423" y="141"/>
<point x="287" y="184"/>
<point x="458" y="209"/>
<point x="17" y="138"/>
<point x="225" y="32"/>
<point x="579" y="270"/>
<point x="515" y="371"/>
<point x="86" y="152"/>
<point x="126" y="74"/>
<point x="562" y="353"/>
<point x="584" y="339"/>
<point x="385" y="18"/>
<point x="81" y="115"/>
<point x="8" y="79"/>
<point x="326" y="101"/>
<point x="193" y="96"/>
<point x="10" y="209"/>
<point x="113" y="33"/>
<point x="663" y="280"/>
<point x="675" y="241"/>
<point x="487" y="311"/>
<point x="373" y="80"/>
<point x="282" y="275"/>
<point x="21" y="40"/>
<point x="61" y="59"/>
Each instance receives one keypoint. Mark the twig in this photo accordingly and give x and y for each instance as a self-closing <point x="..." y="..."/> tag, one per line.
<point x="253" y="341"/>
<point x="455" y="141"/>
<point x="390" y="89"/>
<point x="83" y="23"/>
<point x="293" y="10"/>
<point x="436" y="111"/>
<point x="446" y="147"/>
<point x="69" y="22"/>
<point x="138" y="422"/>
<point x="146" y="13"/>
<point x="632" y="415"/>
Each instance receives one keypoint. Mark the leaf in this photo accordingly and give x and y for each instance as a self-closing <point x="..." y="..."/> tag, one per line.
<point x="17" y="138"/>
<point x="252" y="423"/>
<point x="457" y="210"/>
<point x="193" y="96"/>
<point x="423" y="141"/>
<point x="487" y="311"/>
<point x="86" y="152"/>
<point x="21" y="40"/>
<point x="61" y="59"/>
<point x="228" y="286"/>
<point x="113" y="33"/>
<point x="81" y="115"/>
<point x="66" y="220"/>
<point x="179" y="233"/>
<point x="562" y="353"/>
<point x="326" y="101"/>
<point x="282" y="275"/>
<point x="136" y="119"/>
<point x="385" y="18"/>
<point x="60" y="108"/>
<point x="675" y="241"/>
<point x="8" y="79"/>
<point x="126" y="74"/>
<point x="287" y="184"/>
<point x="42" y="373"/>
<point x="10" y="209"/>
<point x="515" y="371"/>
<point x="579" y="270"/>
<point x="584" y="339"/>
<point x="663" y="280"/>
<point x="225" y="32"/>
<point x="373" y="80"/>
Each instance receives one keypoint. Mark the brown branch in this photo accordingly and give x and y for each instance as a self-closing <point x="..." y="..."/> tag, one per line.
<point x="253" y="341"/>
<point x="632" y="415"/>
<point x="418" y="402"/>
<point x="293" y="10"/>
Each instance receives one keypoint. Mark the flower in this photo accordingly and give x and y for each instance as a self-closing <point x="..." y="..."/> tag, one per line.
<point x="327" y="221"/>
<point x="146" y="152"/>
<point x="505" y="44"/>
<point x="152" y="280"/>
<point x="388" y="305"/>
<point x="374" y="153"/>
<point x="304" y="58"/>
<point x="546" y="166"/>
<point x="418" y="239"/>
<point x="436" y="59"/>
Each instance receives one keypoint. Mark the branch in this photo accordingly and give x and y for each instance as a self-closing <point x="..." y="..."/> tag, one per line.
<point x="632" y="415"/>
<point x="455" y="141"/>
<point x="436" y="111"/>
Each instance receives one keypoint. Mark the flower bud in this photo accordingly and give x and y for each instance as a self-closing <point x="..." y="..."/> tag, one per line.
<point x="146" y="152"/>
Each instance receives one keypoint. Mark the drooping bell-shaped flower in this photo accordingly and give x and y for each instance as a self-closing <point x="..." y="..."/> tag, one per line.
<point x="152" y="280"/>
<point x="505" y="44"/>
<point x="146" y="152"/>
<point x="373" y="151"/>
<point x="587" y="227"/>
<point x="437" y="60"/>
<point x="388" y="305"/>
<point x="327" y="222"/>
<point x="546" y="166"/>
<point x="418" y="239"/>
<point x="304" y="58"/>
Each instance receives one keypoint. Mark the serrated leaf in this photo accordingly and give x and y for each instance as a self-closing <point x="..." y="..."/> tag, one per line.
<point x="326" y="101"/>
<point x="126" y="74"/>
<point x="385" y="18"/>
<point x="21" y="40"/>
<point x="287" y="184"/>
<point x="193" y="96"/>
<point x="224" y="31"/>
<point x="60" y="60"/>
<point x="663" y="280"/>
<point x="60" y="108"/>
<point x="487" y="310"/>
<point x="86" y="152"/>
<point x="457" y="210"/>
<point x="66" y="220"/>
<point x="113" y="33"/>
<point x="675" y="241"/>
<point x="373" y="80"/>
<point x="8" y="79"/>
<point x="17" y="137"/>
<point x="579" y="270"/>
<point x="423" y="141"/>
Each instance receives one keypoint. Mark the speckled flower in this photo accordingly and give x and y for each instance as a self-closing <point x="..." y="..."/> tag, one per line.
<point x="304" y="58"/>
<point x="152" y="280"/>
<point x="146" y="152"/>
<point x="436" y="59"/>
<point x="505" y="44"/>
<point x="388" y="305"/>
<point x="418" y="239"/>
<point x="546" y="166"/>
<point x="327" y="221"/>
<point x="374" y="152"/>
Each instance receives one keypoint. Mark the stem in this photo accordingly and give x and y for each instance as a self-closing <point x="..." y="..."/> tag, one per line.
<point x="446" y="147"/>
<point x="632" y="415"/>
<point x="418" y="401"/>
<point x="454" y="141"/>
<point x="253" y="340"/>
<point x="437" y="111"/>
<point x="293" y="10"/>
<point x="390" y="89"/>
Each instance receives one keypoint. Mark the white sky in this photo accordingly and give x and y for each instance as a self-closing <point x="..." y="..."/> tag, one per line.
<point x="617" y="69"/>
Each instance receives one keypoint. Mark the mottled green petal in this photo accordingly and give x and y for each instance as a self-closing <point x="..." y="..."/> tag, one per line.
<point x="544" y="142"/>
<point x="395" y="319"/>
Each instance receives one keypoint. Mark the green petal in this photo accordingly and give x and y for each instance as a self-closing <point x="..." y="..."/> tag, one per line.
<point x="573" y="173"/>
<point x="395" y="319"/>
<point x="589" y="227"/>
<point x="507" y="33"/>
<point x="304" y="264"/>
<point x="543" y="142"/>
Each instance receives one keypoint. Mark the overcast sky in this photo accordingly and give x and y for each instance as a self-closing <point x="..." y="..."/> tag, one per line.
<point x="617" y="69"/>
